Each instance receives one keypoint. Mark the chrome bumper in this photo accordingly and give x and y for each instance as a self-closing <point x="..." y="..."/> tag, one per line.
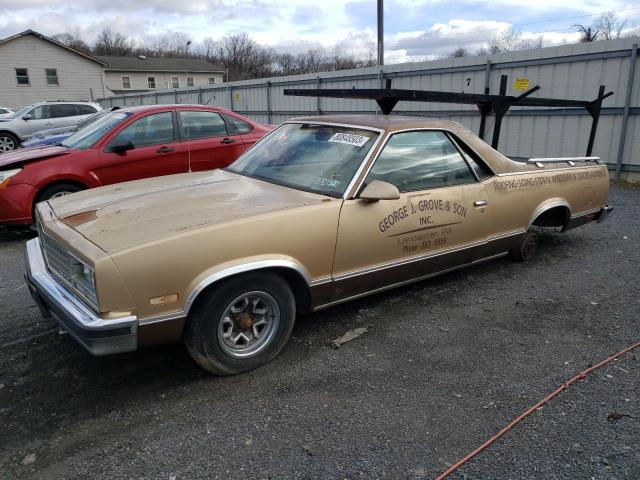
<point x="98" y="336"/>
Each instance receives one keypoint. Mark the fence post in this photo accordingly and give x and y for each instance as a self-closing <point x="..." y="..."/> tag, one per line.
<point x="199" y="96"/>
<point x="268" y="85"/>
<point x="625" y="115"/>
<point x="231" y="98"/>
<point x="175" y="96"/>
<point x="318" y="106"/>
<point x="487" y="76"/>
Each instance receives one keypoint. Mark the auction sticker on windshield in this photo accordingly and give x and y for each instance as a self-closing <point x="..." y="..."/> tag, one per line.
<point x="349" y="139"/>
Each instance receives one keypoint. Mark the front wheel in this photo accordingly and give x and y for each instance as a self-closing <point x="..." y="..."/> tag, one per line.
<point x="241" y="324"/>
<point x="8" y="142"/>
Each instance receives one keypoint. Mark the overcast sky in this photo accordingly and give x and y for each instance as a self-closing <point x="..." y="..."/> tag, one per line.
<point x="414" y="29"/>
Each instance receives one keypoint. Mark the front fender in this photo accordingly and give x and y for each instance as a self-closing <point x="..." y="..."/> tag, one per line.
<point x="237" y="266"/>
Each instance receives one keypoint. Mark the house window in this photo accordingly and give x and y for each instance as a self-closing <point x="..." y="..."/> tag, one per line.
<point x="126" y="83"/>
<point x="52" y="76"/>
<point x="175" y="82"/>
<point x="190" y="82"/>
<point x="22" y="76"/>
<point x="212" y="80"/>
<point x="151" y="81"/>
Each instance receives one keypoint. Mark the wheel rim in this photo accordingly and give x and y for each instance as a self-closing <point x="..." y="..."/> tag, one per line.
<point x="60" y="194"/>
<point x="6" y="144"/>
<point x="248" y="324"/>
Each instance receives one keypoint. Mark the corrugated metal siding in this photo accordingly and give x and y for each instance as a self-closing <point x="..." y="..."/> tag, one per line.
<point x="568" y="71"/>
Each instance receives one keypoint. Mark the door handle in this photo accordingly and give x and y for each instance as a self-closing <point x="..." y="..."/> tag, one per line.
<point x="480" y="203"/>
<point x="165" y="150"/>
<point x="227" y="140"/>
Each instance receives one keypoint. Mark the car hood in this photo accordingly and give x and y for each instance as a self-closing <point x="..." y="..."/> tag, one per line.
<point x="24" y="155"/>
<point x="47" y="140"/>
<point x="127" y="215"/>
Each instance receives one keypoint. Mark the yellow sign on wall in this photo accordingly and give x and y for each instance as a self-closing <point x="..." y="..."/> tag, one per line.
<point x="236" y="97"/>
<point x="521" y="83"/>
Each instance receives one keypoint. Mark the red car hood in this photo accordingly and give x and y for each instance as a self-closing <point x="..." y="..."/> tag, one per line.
<point x="24" y="155"/>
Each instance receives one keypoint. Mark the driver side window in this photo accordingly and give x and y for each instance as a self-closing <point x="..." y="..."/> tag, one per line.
<point x="41" y="113"/>
<point x="150" y="130"/>
<point x="420" y="160"/>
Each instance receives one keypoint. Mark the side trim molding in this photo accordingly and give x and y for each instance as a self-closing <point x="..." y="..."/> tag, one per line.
<point x="227" y="272"/>
<point x="412" y="280"/>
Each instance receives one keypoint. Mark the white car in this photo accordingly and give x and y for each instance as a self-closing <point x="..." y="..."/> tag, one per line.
<point x="24" y="123"/>
<point x="6" y="112"/>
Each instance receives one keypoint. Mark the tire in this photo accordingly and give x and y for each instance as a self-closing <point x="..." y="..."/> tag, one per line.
<point x="229" y="331"/>
<point x="8" y="142"/>
<point x="526" y="249"/>
<point x="57" y="190"/>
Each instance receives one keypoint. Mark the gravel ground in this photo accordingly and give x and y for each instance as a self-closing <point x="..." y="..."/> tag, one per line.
<point x="445" y="364"/>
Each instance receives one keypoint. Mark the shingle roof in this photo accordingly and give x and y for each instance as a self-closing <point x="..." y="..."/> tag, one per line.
<point x="158" y="64"/>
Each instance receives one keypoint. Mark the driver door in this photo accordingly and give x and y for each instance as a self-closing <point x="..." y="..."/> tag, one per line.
<point x="436" y="224"/>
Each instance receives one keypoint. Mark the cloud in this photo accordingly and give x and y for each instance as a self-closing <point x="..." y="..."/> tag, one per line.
<point x="416" y="29"/>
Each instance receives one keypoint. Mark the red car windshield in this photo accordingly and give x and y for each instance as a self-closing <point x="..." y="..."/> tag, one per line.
<point x="86" y="137"/>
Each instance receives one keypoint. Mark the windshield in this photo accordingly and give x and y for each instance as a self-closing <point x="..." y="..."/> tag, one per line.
<point x="86" y="137"/>
<point x="306" y="156"/>
<point x="22" y="112"/>
<point x="91" y="118"/>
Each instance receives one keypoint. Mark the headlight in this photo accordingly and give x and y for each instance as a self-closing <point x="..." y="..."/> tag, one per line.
<point x="6" y="175"/>
<point x="83" y="279"/>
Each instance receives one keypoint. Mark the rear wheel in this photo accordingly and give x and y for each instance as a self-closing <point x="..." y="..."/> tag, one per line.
<point x="527" y="248"/>
<point x="8" y="142"/>
<point x="241" y="324"/>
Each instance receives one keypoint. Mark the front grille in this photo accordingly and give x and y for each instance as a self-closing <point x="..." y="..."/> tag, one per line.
<point x="65" y="267"/>
<point x="58" y="260"/>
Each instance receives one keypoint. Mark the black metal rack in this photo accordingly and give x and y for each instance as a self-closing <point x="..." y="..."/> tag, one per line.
<point x="387" y="98"/>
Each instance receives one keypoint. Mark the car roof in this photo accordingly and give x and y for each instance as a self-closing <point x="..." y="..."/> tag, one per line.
<point x="144" y="108"/>
<point x="383" y="122"/>
<point x="57" y="102"/>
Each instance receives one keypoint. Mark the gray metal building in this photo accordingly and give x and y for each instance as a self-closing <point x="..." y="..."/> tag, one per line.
<point x="568" y="71"/>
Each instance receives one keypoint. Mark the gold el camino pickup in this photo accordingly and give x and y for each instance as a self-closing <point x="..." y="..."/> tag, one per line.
<point x="321" y="211"/>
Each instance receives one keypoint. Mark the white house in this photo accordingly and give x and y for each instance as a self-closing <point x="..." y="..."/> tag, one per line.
<point x="142" y="74"/>
<point x="34" y="67"/>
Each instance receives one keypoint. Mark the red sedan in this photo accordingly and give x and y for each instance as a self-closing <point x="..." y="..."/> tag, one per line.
<point x="126" y="144"/>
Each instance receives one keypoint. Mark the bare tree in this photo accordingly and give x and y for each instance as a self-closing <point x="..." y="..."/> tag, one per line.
<point x="531" y="43"/>
<point x="72" y="39"/>
<point x="459" y="52"/>
<point x="507" y="41"/>
<point x="610" y="25"/>
<point x="109" y="42"/>
<point x="243" y="57"/>
<point x="587" y="33"/>
<point x="176" y="44"/>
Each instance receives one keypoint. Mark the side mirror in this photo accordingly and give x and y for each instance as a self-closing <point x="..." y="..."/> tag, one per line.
<point x="27" y="117"/>
<point x="379" y="190"/>
<point x="121" y="147"/>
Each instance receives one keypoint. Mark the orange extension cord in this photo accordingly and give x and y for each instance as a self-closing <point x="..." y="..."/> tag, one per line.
<point x="511" y="424"/>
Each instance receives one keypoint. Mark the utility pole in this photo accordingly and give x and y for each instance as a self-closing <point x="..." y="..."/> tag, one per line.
<point x="380" y="33"/>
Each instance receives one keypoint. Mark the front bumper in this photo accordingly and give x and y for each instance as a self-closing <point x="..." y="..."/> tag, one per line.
<point x="15" y="204"/>
<point x="98" y="336"/>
